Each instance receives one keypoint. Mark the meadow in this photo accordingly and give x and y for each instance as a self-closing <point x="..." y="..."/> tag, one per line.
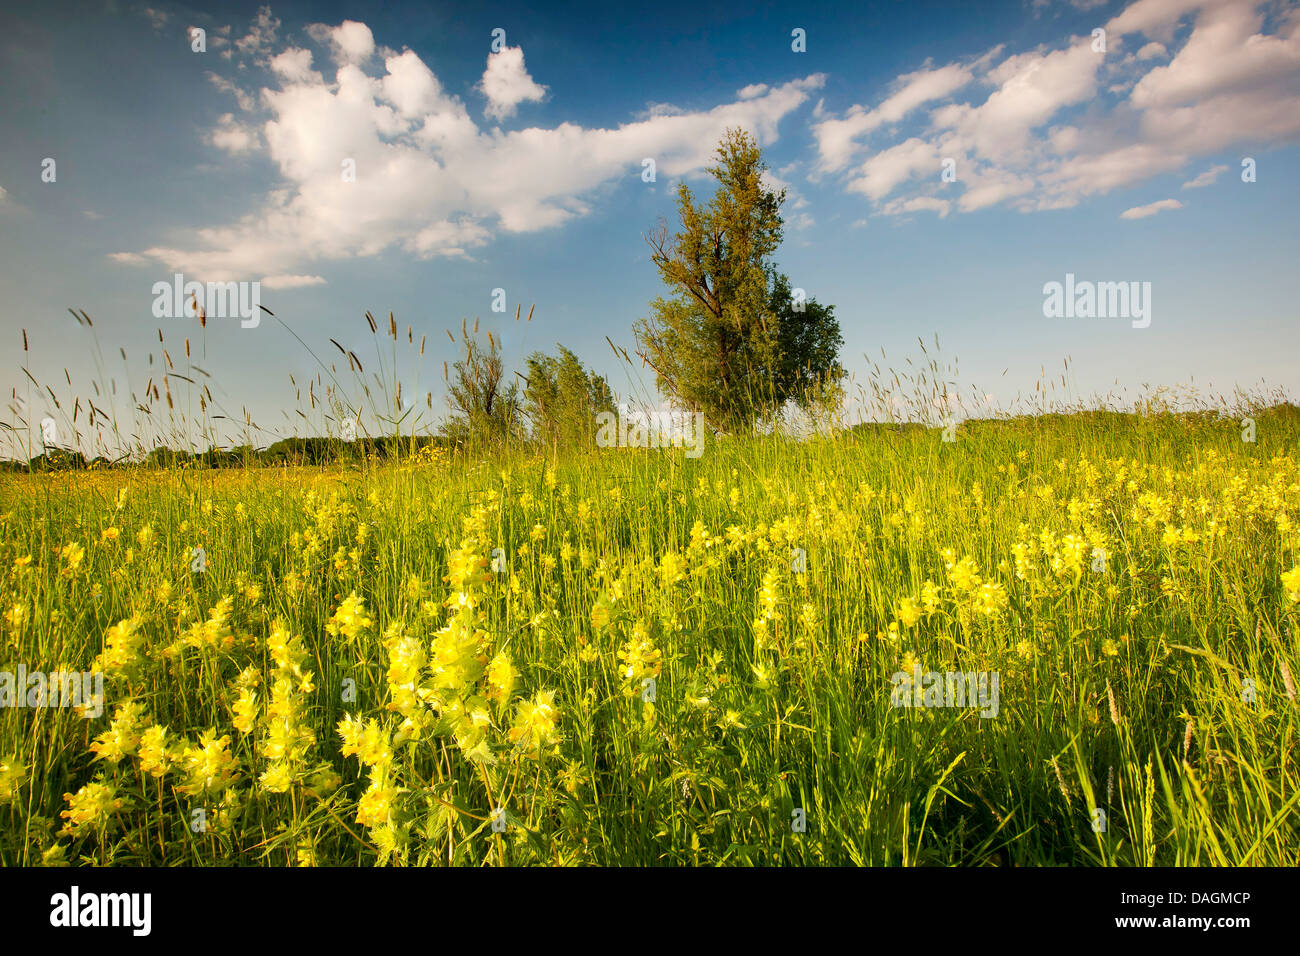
<point x="638" y="657"/>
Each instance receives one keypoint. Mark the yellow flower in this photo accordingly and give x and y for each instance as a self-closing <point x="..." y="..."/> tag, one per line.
<point x="1291" y="581"/>
<point x="769" y="595"/>
<point x="375" y="805"/>
<point x="672" y="568"/>
<point x="502" y="676"/>
<point x="990" y="600"/>
<point x="209" y="765"/>
<point x="467" y="571"/>
<point x="930" y="597"/>
<point x="367" y="740"/>
<point x="72" y="553"/>
<point x="277" y="778"/>
<point x="92" y="807"/>
<point x="534" y="730"/>
<point x="12" y="777"/>
<point x="962" y="574"/>
<point x="349" y="619"/>
<point x="640" y="659"/>
<point x="908" y="612"/>
<point x="122" y="646"/>
<point x="122" y="737"/>
<point x="245" y="711"/>
<point x="154" y="754"/>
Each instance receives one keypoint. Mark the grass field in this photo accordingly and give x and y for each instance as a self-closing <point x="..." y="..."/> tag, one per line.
<point x="670" y="660"/>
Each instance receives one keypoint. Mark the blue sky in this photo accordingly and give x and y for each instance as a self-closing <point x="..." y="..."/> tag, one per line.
<point x="520" y="168"/>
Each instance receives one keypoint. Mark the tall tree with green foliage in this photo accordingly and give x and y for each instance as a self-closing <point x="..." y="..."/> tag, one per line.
<point x="732" y="341"/>
<point x="562" y="398"/>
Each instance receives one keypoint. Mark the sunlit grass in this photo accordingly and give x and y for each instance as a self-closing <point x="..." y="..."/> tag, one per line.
<point x="1154" y="683"/>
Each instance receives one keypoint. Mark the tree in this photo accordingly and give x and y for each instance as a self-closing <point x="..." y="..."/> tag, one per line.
<point x="732" y="341"/>
<point x="562" y="398"/>
<point x="809" y="342"/>
<point x="480" y="408"/>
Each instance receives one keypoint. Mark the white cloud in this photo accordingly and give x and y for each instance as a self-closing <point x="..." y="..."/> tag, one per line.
<point x="429" y="181"/>
<point x="261" y="36"/>
<point x="1060" y="125"/>
<point x="1206" y="178"/>
<point x="880" y="174"/>
<point x="917" y="204"/>
<point x="232" y="136"/>
<point x="349" y="42"/>
<point x="1150" y="209"/>
<point x="1032" y="88"/>
<point x="506" y="83"/>
<point x="989" y="186"/>
<point x="294" y="66"/>
<point x="128" y="258"/>
<point x="291" y="281"/>
<point x="246" y="102"/>
<point x="837" y="139"/>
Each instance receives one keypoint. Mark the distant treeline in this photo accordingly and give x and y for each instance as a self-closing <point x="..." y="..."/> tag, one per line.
<point x="323" y="451"/>
<point x="288" y="451"/>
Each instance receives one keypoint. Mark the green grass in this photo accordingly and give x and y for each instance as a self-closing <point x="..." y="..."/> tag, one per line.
<point x="1189" y="767"/>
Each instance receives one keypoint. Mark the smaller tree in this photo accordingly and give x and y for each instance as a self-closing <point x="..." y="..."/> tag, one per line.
<point x="482" y="409"/>
<point x="809" y="373"/>
<point x="562" y="398"/>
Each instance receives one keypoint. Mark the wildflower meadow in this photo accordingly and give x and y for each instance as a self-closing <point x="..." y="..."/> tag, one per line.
<point x="633" y="656"/>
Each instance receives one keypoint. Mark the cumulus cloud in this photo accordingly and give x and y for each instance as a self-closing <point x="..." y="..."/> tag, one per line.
<point x="1150" y="209"/>
<point x="381" y="156"/>
<point x="349" y="42"/>
<point x="294" y="66"/>
<point x="506" y="83"/>
<point x="838" y="139"/>
<point x="1050" y="127"/>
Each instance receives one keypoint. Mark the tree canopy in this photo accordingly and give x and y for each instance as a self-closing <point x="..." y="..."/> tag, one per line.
<point x="732" y="340"/>
<point x="562" y="398"/>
